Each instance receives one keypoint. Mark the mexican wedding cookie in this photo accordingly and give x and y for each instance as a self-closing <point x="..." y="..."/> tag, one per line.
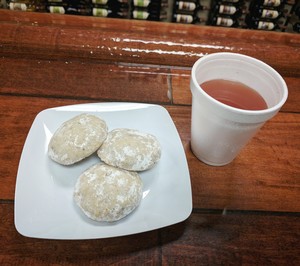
<point x="77" y="139"/>
<point x="106" y="193"/>
<point x="130" y="149"/>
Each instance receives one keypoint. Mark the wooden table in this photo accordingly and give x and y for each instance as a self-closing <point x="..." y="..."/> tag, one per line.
<point x="245" y="213"/>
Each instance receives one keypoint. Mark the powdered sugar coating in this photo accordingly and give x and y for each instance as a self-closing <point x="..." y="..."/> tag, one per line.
<point x="77" y="139"/>
<point x="130" y="149"/>
<point x="106" y="193"/>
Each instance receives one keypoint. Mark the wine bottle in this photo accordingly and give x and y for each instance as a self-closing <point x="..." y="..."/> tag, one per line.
<point x="113" y="5"/>
<point x="29" y="6"/>
<point x="18" y="6"/>
<point x="78" y="10"/>
<point x="259" y="24"/>
<point x="267" y="13"/>
<point x="150" y="3"/>
<point x="188" y="6"/>
<point x="271" y="3"/>
<point x="103" y="12"/>
<point x="234" y="11"/>
<point x="107" y="2"/>
<point x="224" y="21"/>
<point x="145" y="15"/>
<point x="186" y="19"/>
<point x="147" y="6"/>
<point x="56" y="9"/>
<point x="67" y="2"/>
<point x="56" y="6"/>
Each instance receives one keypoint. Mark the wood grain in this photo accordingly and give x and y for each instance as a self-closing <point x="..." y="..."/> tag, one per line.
<point x="232" y="238"/>
<point x="84" y="80"/>
<point x="113" y="82"/>
<point x="69" y="37"/>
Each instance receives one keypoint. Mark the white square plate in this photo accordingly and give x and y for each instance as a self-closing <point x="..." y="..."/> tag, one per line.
<point x="44" y="206"/>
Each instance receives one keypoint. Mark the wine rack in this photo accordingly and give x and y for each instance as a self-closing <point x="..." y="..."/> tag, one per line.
<point x="269" y="15"/>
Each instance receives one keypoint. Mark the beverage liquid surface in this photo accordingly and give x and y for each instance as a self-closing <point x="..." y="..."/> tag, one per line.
<point x="234" y="94"/>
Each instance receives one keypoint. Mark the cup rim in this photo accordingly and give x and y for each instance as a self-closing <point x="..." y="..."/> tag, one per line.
<point x="252" y="60"/>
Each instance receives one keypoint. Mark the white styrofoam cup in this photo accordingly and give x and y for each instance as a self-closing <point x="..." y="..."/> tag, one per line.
<point x="219" y="131"/>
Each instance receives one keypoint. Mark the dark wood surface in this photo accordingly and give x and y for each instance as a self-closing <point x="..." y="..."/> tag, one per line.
<point x="245" y="213"/>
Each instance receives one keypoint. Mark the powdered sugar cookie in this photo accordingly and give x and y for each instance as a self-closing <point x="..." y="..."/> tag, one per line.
<point x="130" y="149"/>
<point x="77" y="139"/>
<point x="106" y="193"/>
